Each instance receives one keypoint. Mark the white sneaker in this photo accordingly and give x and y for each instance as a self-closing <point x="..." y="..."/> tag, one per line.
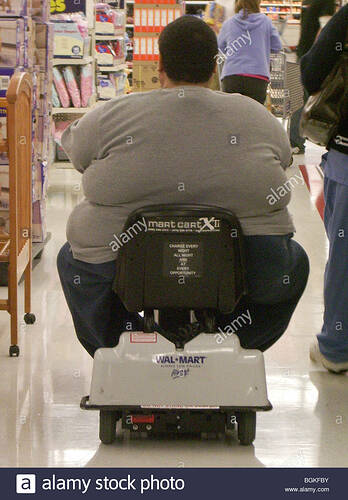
<point x="316" y="356"/>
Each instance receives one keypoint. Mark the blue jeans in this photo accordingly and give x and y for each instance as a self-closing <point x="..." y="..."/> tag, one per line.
<point x="296" y="140"/>
<point x="333" y="339"/>
<point x="277" y="272"/>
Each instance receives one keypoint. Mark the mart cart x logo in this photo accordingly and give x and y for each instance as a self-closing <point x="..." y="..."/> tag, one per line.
<point x="209" y="224"/>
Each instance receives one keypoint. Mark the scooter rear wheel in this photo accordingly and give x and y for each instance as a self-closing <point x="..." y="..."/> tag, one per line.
<point x="107" y="426"/>
<point x="246" y="427"/>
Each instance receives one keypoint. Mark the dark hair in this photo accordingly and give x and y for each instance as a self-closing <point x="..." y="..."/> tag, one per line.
<point x="188" y="47"/>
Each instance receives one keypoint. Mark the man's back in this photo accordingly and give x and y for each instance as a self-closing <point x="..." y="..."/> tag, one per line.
<point x="181" y="145"/>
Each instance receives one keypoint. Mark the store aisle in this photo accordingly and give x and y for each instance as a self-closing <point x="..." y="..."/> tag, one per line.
<point x="41" y="423"/>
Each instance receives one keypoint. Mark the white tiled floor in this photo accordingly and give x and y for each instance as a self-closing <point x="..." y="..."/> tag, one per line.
<point x="40" y="420"/>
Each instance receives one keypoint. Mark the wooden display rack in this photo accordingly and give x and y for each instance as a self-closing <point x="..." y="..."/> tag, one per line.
<point x="16" y="247"/>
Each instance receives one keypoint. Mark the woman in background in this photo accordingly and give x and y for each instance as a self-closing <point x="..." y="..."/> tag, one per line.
<point x="246" y="41"/>
<point x="331" y="350"/>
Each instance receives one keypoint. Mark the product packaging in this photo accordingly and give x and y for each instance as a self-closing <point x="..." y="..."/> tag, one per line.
<point x="72" y="86"/>
<point x="14" y="32"/>
<point x="86" y="84"/>
<point x="15" y="8"/>
<point x="68" y="41"/>
<point x="39" y="227"/>
<point x="61" y="87"/>
<point x="145" y="76"/>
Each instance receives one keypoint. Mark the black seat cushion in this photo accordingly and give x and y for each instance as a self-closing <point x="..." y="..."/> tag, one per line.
<point x="181" y="257"/>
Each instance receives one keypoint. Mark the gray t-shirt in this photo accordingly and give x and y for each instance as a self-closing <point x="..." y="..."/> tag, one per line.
<point x="180" y="145"/>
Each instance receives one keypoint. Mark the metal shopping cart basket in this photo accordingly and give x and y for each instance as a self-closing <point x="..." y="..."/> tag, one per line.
<point x="285" y="88"/>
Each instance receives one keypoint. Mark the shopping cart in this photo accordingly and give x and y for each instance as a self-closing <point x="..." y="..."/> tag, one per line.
<point x="285" y="88"/>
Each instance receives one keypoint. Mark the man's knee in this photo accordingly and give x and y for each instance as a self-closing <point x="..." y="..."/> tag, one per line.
<point x="302" y="267"/>
<point x="62" y="256"/>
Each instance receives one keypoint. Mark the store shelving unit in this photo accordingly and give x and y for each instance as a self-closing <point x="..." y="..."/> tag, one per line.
<point x="129" y="9"/>
<point x="72" y="62"/>
<point x="71" y="112"/>
<point x="16" y="245"/>
<point x="110" y="69"/>
<point x="286" y="8"/>
<point x="62" y="164"/>
<point x="107" y="37"/>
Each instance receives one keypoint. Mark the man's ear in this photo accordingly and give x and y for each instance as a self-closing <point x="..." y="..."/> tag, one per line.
<point x="160" y="63"/>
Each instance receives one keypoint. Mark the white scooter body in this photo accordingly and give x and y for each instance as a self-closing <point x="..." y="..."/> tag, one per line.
<point x="146" y="371"/>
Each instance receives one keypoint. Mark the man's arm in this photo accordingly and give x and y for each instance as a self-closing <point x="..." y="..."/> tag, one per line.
<point x="80" y="140"/>
<point x="319" y="61"/>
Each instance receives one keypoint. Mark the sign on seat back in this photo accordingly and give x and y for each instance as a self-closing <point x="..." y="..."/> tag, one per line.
<point x="181" y="256"/>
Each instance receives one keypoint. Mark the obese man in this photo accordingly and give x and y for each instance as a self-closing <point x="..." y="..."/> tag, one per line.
<point x="183" y="143"/>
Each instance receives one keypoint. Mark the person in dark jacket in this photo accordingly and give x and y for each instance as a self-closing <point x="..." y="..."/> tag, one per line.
<point x="314" y="15"/>
<point x="332" y="347"/>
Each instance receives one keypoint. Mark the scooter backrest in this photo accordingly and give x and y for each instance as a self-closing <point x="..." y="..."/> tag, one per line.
<point x="181" y="256"/>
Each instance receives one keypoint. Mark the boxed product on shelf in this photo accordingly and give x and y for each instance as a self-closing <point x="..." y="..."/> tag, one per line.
<point x="159" y="2"/>
<point x="86" y="84"/>
<point x="153" y="19"/>
<point x="110" y="53"/>
<point x="14" y="32"/>
<point x="5" y="225"/>
<point x="44" y="34"/>
<point x="145" y="76"/>
<point x="35" y="131"/>
<point x="4" y="187"/>
<point x="36" y="182"/>
<point x="146" y="48"/>
<point x="39" y="180"/>
<point x="109" y="21"/>
<point x="68" y="40"/>
<point x="42" y="133"/>
<point x="5" y="76"/>
<point x="60" y="87"/>
<point x="39" y="227"/>
<point x="72" y="86"/>
<point x="111" y="85"/>
<point x="15" y="8"/>
<point x="42" y="59"/>
<point x="36" y="89"/>
<point x="41" y="9"/>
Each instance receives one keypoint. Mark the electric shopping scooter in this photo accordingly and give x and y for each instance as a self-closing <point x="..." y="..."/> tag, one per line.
<point x="180" y="374"/>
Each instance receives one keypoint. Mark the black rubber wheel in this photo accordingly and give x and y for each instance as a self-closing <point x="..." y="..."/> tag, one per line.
<point x="29" y="318"/>
<point x="246" y="427"/>
<point x="107" y="426"/>
<point x="14" y="351"/>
